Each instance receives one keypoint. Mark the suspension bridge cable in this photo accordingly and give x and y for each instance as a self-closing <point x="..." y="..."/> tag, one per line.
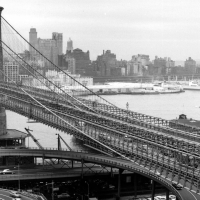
<point x="70" y="125"/>
<point x="57" y="66"/>
<point x="43" y="77"/>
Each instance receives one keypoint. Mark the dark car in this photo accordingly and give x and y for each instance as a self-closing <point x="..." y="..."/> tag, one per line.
<point x="177" y="186"/>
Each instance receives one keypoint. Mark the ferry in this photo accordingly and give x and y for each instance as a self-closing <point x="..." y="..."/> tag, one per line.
<point x="186" y="85"/>
<point x="192" y="85"/>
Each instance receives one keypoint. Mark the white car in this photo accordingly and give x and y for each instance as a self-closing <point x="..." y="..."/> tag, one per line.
<point x="15" y="194"/>
<point x="172" y="197"/>
<point x="161" y="197"/>
<point x="7" y="171"/>
<point x="157" y="173"/>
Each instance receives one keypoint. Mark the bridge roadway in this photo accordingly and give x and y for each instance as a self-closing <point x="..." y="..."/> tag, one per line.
<point x="184" y="194"/>
<point x="57" y="171"/>
<point x="5" y="194"/>
<point x="154" y="136"/>
<point x="188" y="142"/>
<point x="110" y="110"/>
<point x="132" y="149"/>
<point x="179" y="130"/>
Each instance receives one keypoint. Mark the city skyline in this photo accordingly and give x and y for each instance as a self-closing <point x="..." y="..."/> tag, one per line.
<point x="156" y="28"/>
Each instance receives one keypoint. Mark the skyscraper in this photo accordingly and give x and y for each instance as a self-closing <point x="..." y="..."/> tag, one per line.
<point x="70" y="45"/>
<point x="32" y="40"/>
<point x="50" y="48"/>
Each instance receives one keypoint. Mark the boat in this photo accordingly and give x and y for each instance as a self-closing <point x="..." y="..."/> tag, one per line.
<point x="192" y="85"/>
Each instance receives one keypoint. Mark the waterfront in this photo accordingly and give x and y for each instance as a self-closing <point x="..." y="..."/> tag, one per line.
<point x="167" y="106"/>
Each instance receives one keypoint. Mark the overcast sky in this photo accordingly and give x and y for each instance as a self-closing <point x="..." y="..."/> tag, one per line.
<point x="166" y="28"/>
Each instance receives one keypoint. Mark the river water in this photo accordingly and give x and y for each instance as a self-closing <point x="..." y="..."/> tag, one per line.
<point x="166" y="106"/>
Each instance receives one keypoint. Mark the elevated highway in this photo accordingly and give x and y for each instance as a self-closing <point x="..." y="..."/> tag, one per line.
<point x="183" y="194"/>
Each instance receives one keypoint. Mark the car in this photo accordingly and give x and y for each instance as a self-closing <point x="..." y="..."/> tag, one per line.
<point x="177" y="186"/>
<point x="15" y="194"/>
<point x="7" y="171"/>
<point x="161" y="197"/>
<point x="172" y="197"/>
<point x="157" y="173"/>
<point x="63" y="195"/>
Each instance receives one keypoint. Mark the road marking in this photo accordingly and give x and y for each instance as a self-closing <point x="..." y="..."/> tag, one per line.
<point x="192" y="194"/>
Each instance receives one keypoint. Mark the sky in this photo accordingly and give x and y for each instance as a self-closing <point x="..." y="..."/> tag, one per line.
<point x="163" y="28"/>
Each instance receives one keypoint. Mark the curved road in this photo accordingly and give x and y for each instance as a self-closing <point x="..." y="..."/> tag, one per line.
<point x="184" y="194"/>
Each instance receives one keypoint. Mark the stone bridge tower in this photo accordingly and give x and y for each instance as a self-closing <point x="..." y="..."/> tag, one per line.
<point x="1" y="51"/>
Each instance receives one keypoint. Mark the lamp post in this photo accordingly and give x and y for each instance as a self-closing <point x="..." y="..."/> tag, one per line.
<point x="52" y="184"/>
<point x="127" y="107"/>
<point x="18" y="177"/>
<point x="88" y="189"/>
<point x="52" y="191"/>
<point x="58" y="144"/>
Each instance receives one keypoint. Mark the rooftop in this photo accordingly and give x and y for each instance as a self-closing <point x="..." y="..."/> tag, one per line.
<point x="13" y="134"/>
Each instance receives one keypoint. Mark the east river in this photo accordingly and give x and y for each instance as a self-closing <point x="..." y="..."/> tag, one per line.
<point x="166" y="106"/>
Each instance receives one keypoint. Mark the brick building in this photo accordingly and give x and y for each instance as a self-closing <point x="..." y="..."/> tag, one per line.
<point x="78" y="61"/>
<point x="190" y="66"/>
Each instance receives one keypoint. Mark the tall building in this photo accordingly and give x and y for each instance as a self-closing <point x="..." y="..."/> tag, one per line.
<point x="11" y="70"/>
<point x="106" y="62"/>
<point x="190" y="66"/>
<point x="50" y="48"/>
<point x="138" y="64"/>
<point x="69" y="45"/>
<point x="78" y="61"/>
<point x="162" y="66"/>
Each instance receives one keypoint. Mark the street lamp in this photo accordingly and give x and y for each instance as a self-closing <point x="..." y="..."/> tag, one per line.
<point x="88" y="191"/>
<point x="58" y="144"/>
<point x="18" y="176"/>
<point x="127" y="107"/>
<point x="52" y="183"/>
<point x="52" y="191"/>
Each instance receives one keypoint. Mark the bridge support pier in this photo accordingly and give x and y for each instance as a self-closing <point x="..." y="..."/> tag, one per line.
<point x="153" y="189"/>
<point x="119" y="184"/>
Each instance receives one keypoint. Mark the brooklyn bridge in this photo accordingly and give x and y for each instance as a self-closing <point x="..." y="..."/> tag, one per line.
<point x="164" y="151"/>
